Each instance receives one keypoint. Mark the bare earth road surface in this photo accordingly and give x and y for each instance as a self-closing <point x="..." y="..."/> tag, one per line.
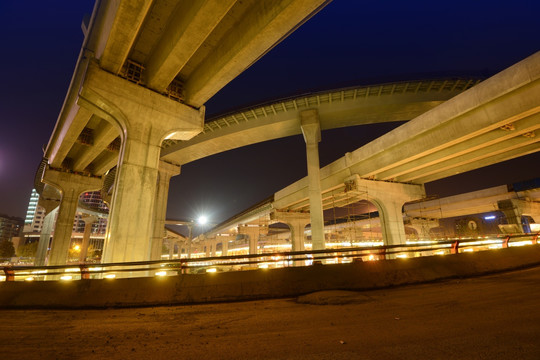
<point x="492" y="317"/>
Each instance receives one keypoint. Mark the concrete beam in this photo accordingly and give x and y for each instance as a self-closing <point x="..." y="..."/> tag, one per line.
<point x="486" y="161"/>
<point x="455" y="162"/>
<point x="128" y="19"/>
<point x="475" y="202"/>
<point x="76" y="120"/>
<point x="104" y="134"/>
<point x="106" y="161"/>
<point x="119" y="101"/>
<point x="505" y="98"/>
<point x="265" y="24"/>
<point x="280" y="119"/>
<point x="494" y="137"/>
<point x="193" y="22"/>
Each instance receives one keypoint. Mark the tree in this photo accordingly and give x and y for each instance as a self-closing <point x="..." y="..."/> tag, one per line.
<point x="27" y="250"/>
<point x="6" y="249"/>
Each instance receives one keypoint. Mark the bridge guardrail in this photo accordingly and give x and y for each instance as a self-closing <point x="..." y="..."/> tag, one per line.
<point x="265" y="260"/>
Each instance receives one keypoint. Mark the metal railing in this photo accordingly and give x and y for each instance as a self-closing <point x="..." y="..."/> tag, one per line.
<point x="262" y="261"/>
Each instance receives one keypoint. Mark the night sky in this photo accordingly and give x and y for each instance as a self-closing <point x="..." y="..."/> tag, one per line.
<point x="350" y="42"/>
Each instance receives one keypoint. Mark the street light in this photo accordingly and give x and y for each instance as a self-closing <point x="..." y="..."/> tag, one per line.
<point x="202" y="220"/>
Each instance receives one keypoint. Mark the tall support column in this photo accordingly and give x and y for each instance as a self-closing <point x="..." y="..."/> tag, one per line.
<point x="207" y="248"/>
<point x="165" y="172"/>
<point x="146" y="118"/>
<point x="213" y="244"/>
<point x="171" y="249"/>
<point x="224" y="246"/>
<point x="70" y="186"/>
<point x="309" y="121"/>
<point x="89" y="220"/>
<point x="224" y="240"/>
<point x="253" y="236"/>
<point x="190" y="240"/>
<point x="45" y="237"/>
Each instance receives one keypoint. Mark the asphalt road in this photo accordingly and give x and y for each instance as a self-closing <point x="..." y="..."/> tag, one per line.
<point x="492" y="317"/>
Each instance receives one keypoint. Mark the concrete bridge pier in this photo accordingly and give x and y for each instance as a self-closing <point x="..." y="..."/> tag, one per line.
<point x="145" y="118"/>
<point x="165" y="172"/>
<point x="89" y="220"/>
<point x="389" y="199"/>
<point x="514" y="209"/>
<point x="171" y="249"/>
<point x="210" y="247"/>
<point x="422" y="226"/>
<point x="513" y="212"/>
<point x="297" y="223"/>
<point x="253" y="236"/>
<point x="311" y="129"/>
<point x="224" y="240"/>
<point x="71" y="186"/>
<point x="51" y="209"/>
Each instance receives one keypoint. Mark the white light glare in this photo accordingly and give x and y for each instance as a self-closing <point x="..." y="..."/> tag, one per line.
<point x="202" y="220"/>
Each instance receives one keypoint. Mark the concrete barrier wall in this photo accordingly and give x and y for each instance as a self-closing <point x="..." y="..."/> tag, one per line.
<point x="260" y="284"/>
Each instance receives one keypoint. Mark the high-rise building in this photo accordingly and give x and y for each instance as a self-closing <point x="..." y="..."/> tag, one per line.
<point x="36" y="214"/>
<point x="10" y="226"/>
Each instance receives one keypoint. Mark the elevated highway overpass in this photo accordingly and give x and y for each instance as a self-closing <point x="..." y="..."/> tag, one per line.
<point x="144" y="73"/>
<point x="489" y="123"/>
<point x="142" y="80"/>
<point x="337" y="108"/>
<point x="420" y="215"/>
<point x="492" y="122"/>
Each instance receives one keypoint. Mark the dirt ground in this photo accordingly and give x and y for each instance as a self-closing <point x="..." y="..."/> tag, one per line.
<point x="492" y="317"/>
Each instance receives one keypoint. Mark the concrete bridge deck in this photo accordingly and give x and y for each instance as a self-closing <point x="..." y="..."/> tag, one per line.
<point x="490" y="317"/>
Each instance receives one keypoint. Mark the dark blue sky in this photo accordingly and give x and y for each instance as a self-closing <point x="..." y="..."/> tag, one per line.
<point x="350" y="42"/>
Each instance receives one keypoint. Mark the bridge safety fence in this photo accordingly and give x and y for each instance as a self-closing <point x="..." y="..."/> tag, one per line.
<point x="213" y="264"/>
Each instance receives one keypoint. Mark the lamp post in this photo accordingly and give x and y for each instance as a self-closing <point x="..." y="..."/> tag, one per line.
<point x="201" y="220"/>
